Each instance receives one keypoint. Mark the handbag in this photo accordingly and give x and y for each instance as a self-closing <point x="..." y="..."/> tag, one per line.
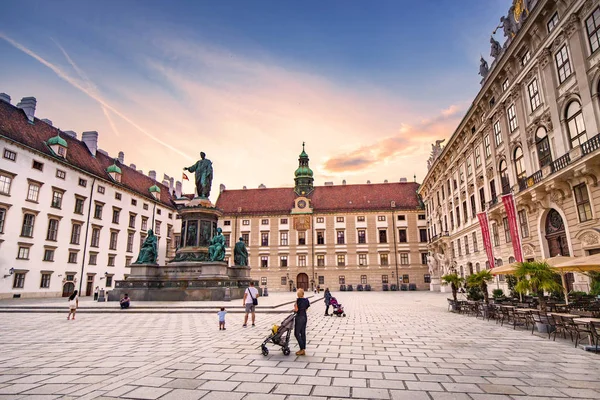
<point x="254" y="300"/>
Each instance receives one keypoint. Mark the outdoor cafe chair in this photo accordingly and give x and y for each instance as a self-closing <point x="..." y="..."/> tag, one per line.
<point x="595" y="334"/>
<point x="543" y="319"/>
<point x="578" y="330"/>
<point x="561" y="327"/>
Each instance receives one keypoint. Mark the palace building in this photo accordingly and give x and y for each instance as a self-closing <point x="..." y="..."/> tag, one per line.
<point x="71" y="217"/>
<point x="371" y="235"/>
<point x="532" y="131"/>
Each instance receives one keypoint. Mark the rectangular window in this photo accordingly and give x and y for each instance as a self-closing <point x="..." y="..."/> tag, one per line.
<point x="477" y="157"/>
<point x="264" y="238"/>
<point x="101" y="189"/>
<point x="264" y="222"/>
<point x="497" y="133"/>
<point x="38" y="165"/>
<point x="505" y="85"/>
<point x="118" y="196"/>
<point x="486" y="144"/>
<point x="48" y="255"/>
<point x="132" y="221"/>
<point x="339" y="219"/>
<point x="582" y="200"/>
<point x="475" y="246"/>
<point x="525" y="59"/>
<point x="28" y="223"/>
<point x="93" y="259"/>
<point x="95" y="242"/>
<point x="227" y="223"/>
<point x="302" y="260"/>
<point x="145" y="206"/>
<point x="360" y="218"/>
<point x="458" y="216"/>
<point x="320" y="260"/>
<point x="405" y="278"/>
<point x="554" y="21"/>
<point x="423" y="235"/>
<point x="52" y="232"/>
<point x="157" y="225"/>
<point x="362" y="236"/>
<point x="5" y="182"/>
<point x="534" y="95"/>
<point x="469" y="168"/>
<point x="402" y="236"/>
<point x="384" y="259"/>
<point x="226" y="235"/>
<point x="283" y="238"/>
<point x="592" y="24"/>
<point x="283" y="221"/>
<point x="320" y="237"/>
<point x="144" y="223"/>
<point x="45" y="282"/>
<point x="33" y="192"/>
<point x="72" y="257"/>
<point x="19" y="280"/>
<point x="382" y="236"/>
<point x="421" y="217"/>
<point x="130" y="239"/>
<point x="563" y="66"/>
<point x="114" y="237"/>
<point x="362" y="259"/>
<point x="301" y="238"/>
<point x="404" y="258"/>
<point x="381" y="218"/>
<point x="10" y="155"/>
<point x="263" y="281"/>
<point x="506" y="230"/>
<point x="363" y="279"/>
<point x="321" y="280"/>
<point x="512" y="118"/>
<point x="116" y="215"/>
<point x="75" y="233"/>
<point x="82" y="182"/>
<point x="341" y="237"/>
<point x="79" y="202"/>
<point x="482" y="199"/>
<point x="57" y="199"/>
<point x="127" y="261"/>
<point x="264" y="261"/>
<point x="133" y="202"/>
<point x="401" y="217"/>
<point x="495" y="235"/>
<point x="283" y="280"/>
<point x="451" y="221"/>
<point x="2" y="219"/>
<point x="320" y="220"/>
<point x="23" y="253"/>
<point x="246" y="222"/>
<point x="384" y="279"/>
<point x="424" y="258"/>
<point x="341" y="260"/>
<point x="283" y="261"/>
<point x="426" y="278"/>
<point x="523" y="223"/>
<point x="342" y="279"/>
<point x="473" y="206"/>
<point x="246" y="237"/>
<point x="109" y="279"/>
<point x="459" y="247"/>
<point x="98" y="211"/>
<point x="466" y="245"/>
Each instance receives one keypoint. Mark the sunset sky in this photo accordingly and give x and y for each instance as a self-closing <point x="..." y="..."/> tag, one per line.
<point x="368" y="85"/>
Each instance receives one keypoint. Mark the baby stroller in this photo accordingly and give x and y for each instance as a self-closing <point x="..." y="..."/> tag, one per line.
<point x="338" y="309"/>
<point x="280" y="335"/>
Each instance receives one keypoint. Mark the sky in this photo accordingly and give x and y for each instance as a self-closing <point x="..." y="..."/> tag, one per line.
<point x="367" y="85"/>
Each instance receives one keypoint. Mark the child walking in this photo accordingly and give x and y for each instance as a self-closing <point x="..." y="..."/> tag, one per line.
<point x="73" y="304"/>
<point x="221" y="315"/>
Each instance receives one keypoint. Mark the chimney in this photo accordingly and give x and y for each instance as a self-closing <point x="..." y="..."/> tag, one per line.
<point x="403" y="180"/>
<point x="178" y="189"/>
<point x="71" y="134"/>
<point x="344" y="182"/>
<point x="171" y="183"/>
<point x="46" y="120"/>
<point x="4" y="97"/>
<point x="262" y="186"/>
<point x="328" y="183"/>
<point x="166" y="183"/>
<point x="221" y="188"/>
<point x="121" y="157"/>
<point x="28" y="104"/>
<point x="103" y="152"/>
<point x="244" y="188"/>
<point x="91" y="141"/>
<point x="152" y="174"/>
<point x="133" y="167"/>
<point x="368" y="182"/>
<point x="386" y="181"/>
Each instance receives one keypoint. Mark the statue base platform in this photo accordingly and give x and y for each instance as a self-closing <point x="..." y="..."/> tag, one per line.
<point x="435" y="285"/>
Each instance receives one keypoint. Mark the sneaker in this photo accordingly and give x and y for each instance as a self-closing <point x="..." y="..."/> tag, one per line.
<point x="300" y="353"/>
<point x="244" y="326"/>
<point x="253" y="325"/>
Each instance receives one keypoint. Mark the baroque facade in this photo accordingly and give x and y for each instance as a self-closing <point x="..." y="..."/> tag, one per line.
<point x="532" y="131"/>
<point x="71" y="217"/>
<point x="332" y="235"/>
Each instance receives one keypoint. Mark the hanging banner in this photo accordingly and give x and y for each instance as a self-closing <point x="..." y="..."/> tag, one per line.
<point x="511" y="213"/>
<point x="485" y="234"/>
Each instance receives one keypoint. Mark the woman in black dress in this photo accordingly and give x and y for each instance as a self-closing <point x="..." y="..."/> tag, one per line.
<point x="300" y="308"/>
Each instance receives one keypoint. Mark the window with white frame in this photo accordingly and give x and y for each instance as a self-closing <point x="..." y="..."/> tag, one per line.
<point x="28" y="223"/>
<point x="505" y="85"/>
<point x="5" y="182"/>
<point x="512" y="118"/>
<point x="525" y="59"/>
<point x="23" y="253"/>
<point x="52" y="232"/>
<point x="2" y="219"/>
<point x="575" y="124"/>
<point x="592" y="25"/>
<point x="523" y="223"/>
<point x="477" y="157"/>
<point x="475" y="246"/>
<point x="553" y="22"/>
<point x="534" y="94"/>
<point x="563" y="65"/>
<point x="582" y="199"/>
<point x="60" y="174"/>
<point x="519" y="163"/>
<point x="33" y="192"/>
<point x="302" y="260"/>
<point x="264" y="261"/>
<point x="362" y="259"/>
<point x="383" y="259"/>
<point x="341" y="260"/>
<point x="497" y="133"/>
<point x="283" y="261"/>
<point x="487" y="147"/>
<point x="10" y="155"/>
<point x="283" y="238"/>
<point x="404" y="259"/>
<point x="506" y="230"/>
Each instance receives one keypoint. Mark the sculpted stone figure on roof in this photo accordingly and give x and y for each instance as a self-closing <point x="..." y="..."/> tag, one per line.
<point x="204" y="174"/>
<point x="436" y="150"/>
<point x="484" y="70"/>
<point x="496" y="48"/>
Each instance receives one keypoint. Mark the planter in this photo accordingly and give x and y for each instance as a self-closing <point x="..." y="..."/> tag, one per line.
<point x="544" y="328"/>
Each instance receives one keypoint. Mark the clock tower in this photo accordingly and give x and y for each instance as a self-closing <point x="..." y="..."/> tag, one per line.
<point x="304" y="176"/>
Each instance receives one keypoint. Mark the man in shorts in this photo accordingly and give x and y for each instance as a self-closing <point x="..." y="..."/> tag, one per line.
<point x="248" y="302"/>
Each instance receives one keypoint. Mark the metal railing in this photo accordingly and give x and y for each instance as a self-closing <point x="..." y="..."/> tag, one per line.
<point x="560" y="163"/>
<point x="591" y="145"/>
<point x="530" y="180"/>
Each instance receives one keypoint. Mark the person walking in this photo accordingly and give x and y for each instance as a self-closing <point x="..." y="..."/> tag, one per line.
<point x="300" y="308"/>
<point x="73" y="304"/>
<point x="327" y="301"/>
<point x="250" y="301"/>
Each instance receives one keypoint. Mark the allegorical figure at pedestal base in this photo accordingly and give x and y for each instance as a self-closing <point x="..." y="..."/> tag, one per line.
<point x="240" y="254"/>
<point x="216" y="250"/>
<point x="203" y="173"/>
<point x="149" y="250"/>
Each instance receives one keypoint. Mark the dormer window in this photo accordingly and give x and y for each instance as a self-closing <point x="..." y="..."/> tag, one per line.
<point x="115" y="172"/>
<point x="155" y="192"/>
<point x="58" y="146"/>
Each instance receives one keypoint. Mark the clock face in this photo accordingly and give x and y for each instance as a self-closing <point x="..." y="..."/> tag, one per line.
<point x="301" y="204"/>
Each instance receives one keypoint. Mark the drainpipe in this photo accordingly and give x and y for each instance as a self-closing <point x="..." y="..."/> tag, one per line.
<point x="312" y="246"/>
<point x="395" y="250"/>
<point x="87" y="230"/>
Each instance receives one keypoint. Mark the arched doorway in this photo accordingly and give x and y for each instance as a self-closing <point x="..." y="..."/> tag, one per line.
<point x="68" y="289"/>
<point x="302" y="281"/>
<point x="555" y="235"/>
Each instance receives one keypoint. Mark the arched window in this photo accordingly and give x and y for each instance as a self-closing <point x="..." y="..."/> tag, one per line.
<point x="504" y="177"/>
<point x="543" y="146"/>
<point x="462" y="272"/>
<point x="487" y="265"/>
<point x="519" y="164"/>
<point x="511" y="260"/>
<point x="575" y="124"/>
<point x="477" y="268"/>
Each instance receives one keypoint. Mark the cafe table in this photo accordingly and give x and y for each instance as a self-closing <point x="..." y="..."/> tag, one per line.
<point x="587" y="321"/>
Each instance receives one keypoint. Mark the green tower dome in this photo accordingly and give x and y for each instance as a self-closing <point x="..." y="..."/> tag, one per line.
<point x="303" y="175"/>
<point x="57" y="140"/>
<point x="154" y="189"/>
<point x="114" y="168"/>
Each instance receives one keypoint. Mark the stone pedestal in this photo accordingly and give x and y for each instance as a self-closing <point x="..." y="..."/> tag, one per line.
<point x="435" y="285"/>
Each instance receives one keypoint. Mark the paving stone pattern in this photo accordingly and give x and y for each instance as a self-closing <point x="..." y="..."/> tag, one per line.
<point x="391" y="346"/>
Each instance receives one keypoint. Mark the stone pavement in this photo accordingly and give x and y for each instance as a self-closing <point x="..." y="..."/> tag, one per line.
<point x="391" y="345"/>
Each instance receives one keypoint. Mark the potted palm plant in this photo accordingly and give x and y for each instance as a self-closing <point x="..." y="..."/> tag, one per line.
<point x="480" y="280"/>
<point x="454" y="281"/>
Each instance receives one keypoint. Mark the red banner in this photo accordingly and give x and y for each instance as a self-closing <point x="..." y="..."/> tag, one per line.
<point x="511" y="214"/>
<point x="485" y="234"/>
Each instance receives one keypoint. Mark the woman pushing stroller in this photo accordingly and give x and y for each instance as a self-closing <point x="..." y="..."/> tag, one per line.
<point x="327" y="301"/>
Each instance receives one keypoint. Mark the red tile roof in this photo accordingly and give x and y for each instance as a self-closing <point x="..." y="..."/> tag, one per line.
<point x="341" y="198"/>
<point x="15" y="126"/>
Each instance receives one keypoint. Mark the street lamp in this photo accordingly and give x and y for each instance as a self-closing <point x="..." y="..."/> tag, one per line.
<point x="10" y="272"/>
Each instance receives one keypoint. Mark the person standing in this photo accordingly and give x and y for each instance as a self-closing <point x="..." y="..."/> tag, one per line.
<point x="96" y="293"/>
<point x="250" y="301"/>
<point x="221" y="315"/>
<point x="327" y="301"/>
<point x="73" y="304"/>
<point x="300" y="308"/>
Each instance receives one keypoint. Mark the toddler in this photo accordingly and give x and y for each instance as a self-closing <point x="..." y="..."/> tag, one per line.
<point x="221" y="315"/>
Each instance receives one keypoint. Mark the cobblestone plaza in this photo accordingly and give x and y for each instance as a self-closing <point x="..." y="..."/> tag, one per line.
<point x="391" y="345"/>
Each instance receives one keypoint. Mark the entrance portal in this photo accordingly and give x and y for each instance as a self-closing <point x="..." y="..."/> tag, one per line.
<point x="555" y="235"/>
<point x="302" y="281"/>
<point x="68" y="289"/>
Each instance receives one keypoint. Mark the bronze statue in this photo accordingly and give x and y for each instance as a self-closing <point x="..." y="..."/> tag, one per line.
<point x="240" y="253"/>
<point x="204" y="174"/>
<point x="149" y="250"/>
<point x="216" y="250"/>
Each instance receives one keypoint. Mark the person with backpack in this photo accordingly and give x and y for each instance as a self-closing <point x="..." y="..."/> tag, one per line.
<point x="250" y="302"/>
<point x="73" y="304"/>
